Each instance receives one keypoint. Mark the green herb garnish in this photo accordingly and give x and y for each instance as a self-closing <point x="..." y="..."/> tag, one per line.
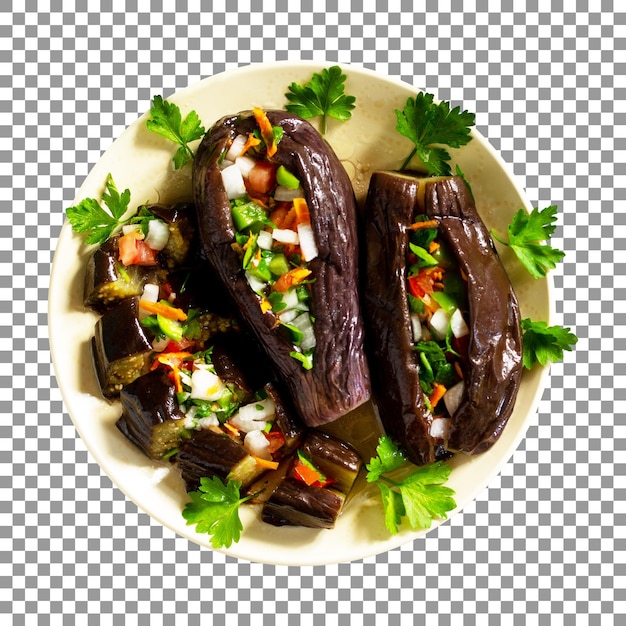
<point x="420" y="496"/>
<point x="214" y="509"/>
<point x="525" y="234"/>
<point x="322" y="96"/>
<point x="166" y="120"/>
<point x="429" y="126"/>
<point x="89" y="217"/>
<point x="544" y="344"/>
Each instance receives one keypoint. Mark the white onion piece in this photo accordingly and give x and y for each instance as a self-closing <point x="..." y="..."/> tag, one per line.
<point x="440" y="428"/>
<point x="258" y="286"/>
<point x="255" y="442"/>
<point x="416" y="327"/>
<point x="130" y="228"/>
<point x="307" y="242"/>
<point x="225" y="163"/>
<point x="264" y="240"/>
<point x="150" y="292"/>
<point x="233" y="182"/>
<point x="206" y="385"/>
<point x="245" y="164"/>
<point x="439" y="323"/>
<point x="453" y="397"/>
<point x="284" y="194"/>
<point x="158" y="234"/>
<point x="284" y="235"/>
<point x="458" y="325"/>
<point x="236" y="148"/>
<point x="254" y="416"/>
<point x="287" y="317"/>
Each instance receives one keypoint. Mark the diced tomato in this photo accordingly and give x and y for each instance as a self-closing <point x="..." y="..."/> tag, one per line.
<point x="422" y="283"/>
<point x="179" y="346"/>
<point x="262" y="177"/>
<point x="276" y="439"/>
<point x="133" y="251"/>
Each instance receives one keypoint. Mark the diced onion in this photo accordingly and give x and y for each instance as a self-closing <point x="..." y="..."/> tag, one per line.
<point x="440" y="427"/>
<point x="158" y="234"/>
<point x="158" y="345"/>
<point x="264" y="240"/>
<point x="236" y="148"/>
<point x="205" y="385"/>
<point x="458" y="325"/>
<point x="255" y="442"/>
<point x="416" y="327"/>
<point x="288" y="316"/>
<point x="150" y="292"/>
<point x="233" y="182"/>
<point x="439" y="323"/>
<point x="245" y="164"/>
<point x="291" y="301"/>
<point x="254" y="416"/>
<point x="284" y="194"/>
<point x="130" y="228"/>
<point x="303" y="323"/>
<point x="307" y="242"/>
<point x="284" y="235"/>
<point x="453" y="397"/>
<point x="258" y="286"/>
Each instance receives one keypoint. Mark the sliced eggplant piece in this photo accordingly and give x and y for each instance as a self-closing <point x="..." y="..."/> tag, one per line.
<point x="293" y="503"/>
<point x="121" y="346"/>
<point x="390" y="206"/>
<point x="297" y="502"/>
<point x="494" y="368"/>
<point x="339" y="379"/>
<point x="288" y="424"/>
<point x="151" y="417"/>
<point x="107" y="282"/>
<point x="208" y="453"/>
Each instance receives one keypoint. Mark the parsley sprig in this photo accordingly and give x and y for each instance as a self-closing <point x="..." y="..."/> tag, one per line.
<point x="420" y="496"/>
<point x="214" y="508"/>
<point x="90" y="217"/>
<point x="430" y="126"/>
<point x="525" y="234"/>
<point x="543" y="344"/>
<point x="166" y="120"/>
<point x="322" y="96"/>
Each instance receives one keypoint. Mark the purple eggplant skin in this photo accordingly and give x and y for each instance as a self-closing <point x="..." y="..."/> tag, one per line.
<point x="494" y="368"/>
<point x="339" y="380"/>
<point x="390" y="206"/>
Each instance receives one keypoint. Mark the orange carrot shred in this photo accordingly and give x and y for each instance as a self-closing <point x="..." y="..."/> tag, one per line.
<point x="438" y="392"/>
<point x="272" y="465"/>
<point x="165" y="310"/>
<point x="251" y="143"/>
<point x="426" y="224"/>
<point x="302" y="211"/>
<point x="267" y="132"/>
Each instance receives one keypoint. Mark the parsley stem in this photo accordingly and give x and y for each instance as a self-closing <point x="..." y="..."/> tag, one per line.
<point x="408" y="159"/>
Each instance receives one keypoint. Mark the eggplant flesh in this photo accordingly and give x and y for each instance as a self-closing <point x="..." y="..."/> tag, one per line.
<point x="495" y="350"/>
<point x="494" y="363"/>
<point x="339" y="380"/>
<point x="151" y="417"/>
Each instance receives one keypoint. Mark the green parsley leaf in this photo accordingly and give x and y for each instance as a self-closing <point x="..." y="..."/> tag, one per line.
<point x="543" y="344"/>
<point x="167" y="121"/>
<point x="420" y="497"/>
<point x="322" y="96"/>
<point x="89" y="217"/>
<point x="525" y="233"/>
<point x="214" y="509"/>
<point x="429" y="126"/>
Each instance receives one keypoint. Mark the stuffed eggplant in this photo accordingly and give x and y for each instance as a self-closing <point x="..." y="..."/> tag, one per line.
<point x="443" y="321"/>
<point x="277" y="221"/>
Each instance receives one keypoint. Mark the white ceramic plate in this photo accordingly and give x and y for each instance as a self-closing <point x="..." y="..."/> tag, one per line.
<point x="141" y="161"/>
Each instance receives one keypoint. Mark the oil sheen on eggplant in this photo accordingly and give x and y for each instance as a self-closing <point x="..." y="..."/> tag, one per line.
<point x="494" y="366"/>
<point x="339" y="380"/>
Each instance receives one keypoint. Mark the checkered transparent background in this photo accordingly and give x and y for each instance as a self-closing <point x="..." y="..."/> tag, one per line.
<point x="545" y="543"/>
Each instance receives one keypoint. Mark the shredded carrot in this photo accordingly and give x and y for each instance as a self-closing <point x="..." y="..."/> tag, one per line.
<point x="265" y="305"/>
<point x="426" y="224"/>
<point x="433" y="247"/>
<point x="267" y="132"/>
<point x="458" y="370"/>
<point x="438" y="392"/>
<point x="251" y="143"/>
<point x="302" y="211"/>
<point x="291" y="278"/>
<point x="307" y="474"/>
<point x="231" y="429"/>
<point x="175" y="375"/>
<point x="272" y="465"/>
<point x="165" y="310"/>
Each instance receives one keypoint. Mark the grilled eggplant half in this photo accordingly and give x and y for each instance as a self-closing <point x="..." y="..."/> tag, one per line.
<point x="427" y="250"/>
<point x="324" y="370"/>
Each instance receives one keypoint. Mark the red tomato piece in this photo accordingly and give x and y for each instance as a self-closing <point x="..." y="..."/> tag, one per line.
<point x="262" y="177"/>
